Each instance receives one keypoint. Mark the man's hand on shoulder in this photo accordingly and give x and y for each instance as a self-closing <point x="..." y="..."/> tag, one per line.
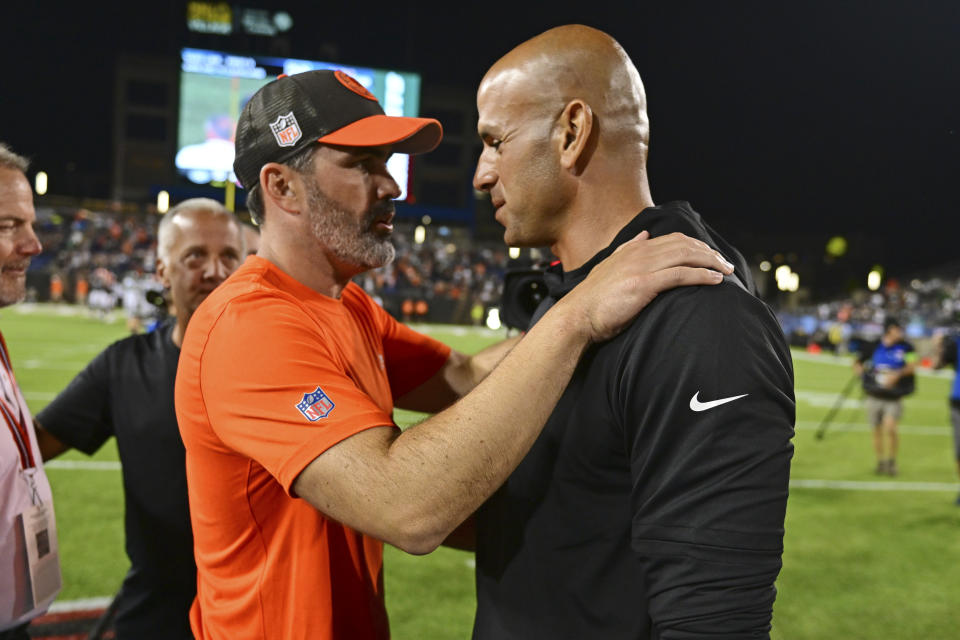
<point x="628" y="280"/>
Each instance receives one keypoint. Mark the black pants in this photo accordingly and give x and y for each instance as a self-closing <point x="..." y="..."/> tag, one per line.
<point x="17" y="633"/>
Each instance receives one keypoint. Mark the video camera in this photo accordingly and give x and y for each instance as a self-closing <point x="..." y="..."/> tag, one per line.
<point x="874" y="384"/>
<point x="523" y="291"/>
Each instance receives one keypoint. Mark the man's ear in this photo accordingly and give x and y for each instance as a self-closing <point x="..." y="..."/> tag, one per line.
<point x="576" y="123"/>
<point x="161" y="270"/>
<point x="280" y="185"/>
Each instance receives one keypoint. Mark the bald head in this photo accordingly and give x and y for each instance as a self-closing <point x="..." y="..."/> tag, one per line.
<point x="576" y="62"/>
<point x="184" y="215"/>
<point x="563" y="121"/>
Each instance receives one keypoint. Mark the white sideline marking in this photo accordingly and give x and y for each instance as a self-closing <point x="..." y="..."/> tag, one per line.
<point x="912" y="429"/>
<point x="829" y="398"/>
<point x="91" y="465"/>
<point x="855" y="485"/>
<point x="83" y="465"/>
<point x="39" y="395"/>
<point x="84" y="604"/>
<point x="847" y="361"/>
<point x="49" y="365"/>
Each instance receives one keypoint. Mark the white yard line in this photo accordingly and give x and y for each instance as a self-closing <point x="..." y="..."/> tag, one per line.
<point x="83" y="465"/>
<point x="40" y="395"/>
<point x="91" y="465"/>
<point x="853" y="485"/>
<point x="83" y="604"/>
<point x="847" y="361"/>
<point x="912" y="429"/>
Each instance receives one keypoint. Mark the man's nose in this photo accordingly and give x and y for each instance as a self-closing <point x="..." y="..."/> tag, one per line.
<point x="30" y="244"/>
<point x="388" y="189"/>
<point x="215" y="269"/>
<point x="484" y="177"/>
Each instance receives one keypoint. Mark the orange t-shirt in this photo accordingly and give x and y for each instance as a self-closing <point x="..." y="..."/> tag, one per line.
<point x="271" y="375"/>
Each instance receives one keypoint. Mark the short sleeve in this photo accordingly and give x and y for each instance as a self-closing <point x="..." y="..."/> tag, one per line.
<point x="80" y="415"/>
<point x="412" y="358"/>
<point x="708" y="409"/>
<point x="277" y="389"/>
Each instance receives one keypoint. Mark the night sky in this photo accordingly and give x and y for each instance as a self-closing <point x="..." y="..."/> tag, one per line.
<point x="783" y="123"/>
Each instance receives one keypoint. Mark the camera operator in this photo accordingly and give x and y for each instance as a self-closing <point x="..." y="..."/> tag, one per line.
<point x="887" y="374"/>
<point x="946" y="350"/>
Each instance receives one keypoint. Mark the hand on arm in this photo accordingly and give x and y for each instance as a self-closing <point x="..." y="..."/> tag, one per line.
<point x="412" y="489"/>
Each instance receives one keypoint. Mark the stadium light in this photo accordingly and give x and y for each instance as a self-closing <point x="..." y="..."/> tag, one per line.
<point x="787" y="279"/>
<point x="40" y="183"/>
<point x="793" y="282"/>
<point x="493" y="318"/>
<point x="874" y="279"/>
<point x="163" y="202"/>
<point x="420" y="234"/>
<point x="836" y="246"/>
<point x="514" y="253"/>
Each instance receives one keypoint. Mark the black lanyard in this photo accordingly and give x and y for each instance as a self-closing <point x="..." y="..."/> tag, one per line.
<point x="17" y="426"/>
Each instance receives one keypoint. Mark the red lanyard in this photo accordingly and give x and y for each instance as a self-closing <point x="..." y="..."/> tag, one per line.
<point x="18" y="426"/>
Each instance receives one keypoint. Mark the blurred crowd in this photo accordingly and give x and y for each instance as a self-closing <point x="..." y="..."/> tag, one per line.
<point x="105" y="260"/>
<point x="926" y="306"/>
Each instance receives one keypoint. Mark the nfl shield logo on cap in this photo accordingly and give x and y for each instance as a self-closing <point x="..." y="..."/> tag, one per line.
<point x="315" y="405"/>
<point x="286" y="130"/>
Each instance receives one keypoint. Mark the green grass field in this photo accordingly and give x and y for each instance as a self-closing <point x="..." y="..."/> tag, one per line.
<point x="866" y="557"/>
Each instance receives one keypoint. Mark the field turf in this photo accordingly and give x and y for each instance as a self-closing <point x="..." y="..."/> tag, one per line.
<point x="866" y="557"/>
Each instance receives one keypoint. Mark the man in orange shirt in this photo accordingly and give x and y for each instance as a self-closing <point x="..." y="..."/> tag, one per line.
<point x="289" y="374"/>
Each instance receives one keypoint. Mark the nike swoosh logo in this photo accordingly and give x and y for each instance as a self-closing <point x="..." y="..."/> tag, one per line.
<point x="696" y="405"/>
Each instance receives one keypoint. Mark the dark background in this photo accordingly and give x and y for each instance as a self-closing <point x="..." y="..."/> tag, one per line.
<point x="783" y="123"/>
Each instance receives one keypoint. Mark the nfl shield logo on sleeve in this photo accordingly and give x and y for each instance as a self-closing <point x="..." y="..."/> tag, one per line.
<point x="286" y="130"/>
<point x="315" y="405"/>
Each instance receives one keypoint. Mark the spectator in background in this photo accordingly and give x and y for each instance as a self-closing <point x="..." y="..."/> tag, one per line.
<point x="127" y="392"/>
<point x="947" y="353"/>
<point x="887" y="371"/>
<point x="30" y="572"/>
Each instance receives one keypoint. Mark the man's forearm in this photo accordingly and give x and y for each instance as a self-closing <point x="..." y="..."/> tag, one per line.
<point x="413" y="488"/>
<point x="475" y="368"/>
<point x="468" y="449"/>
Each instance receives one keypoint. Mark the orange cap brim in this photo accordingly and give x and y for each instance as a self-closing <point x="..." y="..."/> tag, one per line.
<point x="405" y="135"/>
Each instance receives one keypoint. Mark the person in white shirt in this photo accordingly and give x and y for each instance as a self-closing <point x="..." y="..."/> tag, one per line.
<point x="29" y="562"/>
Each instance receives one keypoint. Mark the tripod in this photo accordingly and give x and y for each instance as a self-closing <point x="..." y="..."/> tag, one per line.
<point x="827" y="419"/>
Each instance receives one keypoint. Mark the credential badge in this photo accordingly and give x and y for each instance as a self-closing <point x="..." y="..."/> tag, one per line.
<point x="315" y="405"/>
<point x="286" y="130"/>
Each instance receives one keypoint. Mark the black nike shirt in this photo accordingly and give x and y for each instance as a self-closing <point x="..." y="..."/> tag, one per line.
<point x="647" y="508"/>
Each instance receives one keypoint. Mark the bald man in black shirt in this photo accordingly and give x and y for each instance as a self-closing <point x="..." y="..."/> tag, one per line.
<point x="127" y="392"/>
<point x="652" y="504"/>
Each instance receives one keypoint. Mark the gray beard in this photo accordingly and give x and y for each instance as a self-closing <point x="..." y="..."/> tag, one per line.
<point x="350" y="240"/>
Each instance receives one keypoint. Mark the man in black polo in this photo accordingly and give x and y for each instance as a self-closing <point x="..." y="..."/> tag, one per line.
<point x="652" y="504"/>
<point x="127" y="392"/>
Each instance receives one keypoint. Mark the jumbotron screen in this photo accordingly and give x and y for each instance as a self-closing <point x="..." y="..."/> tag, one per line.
<point x="214" y="86"/>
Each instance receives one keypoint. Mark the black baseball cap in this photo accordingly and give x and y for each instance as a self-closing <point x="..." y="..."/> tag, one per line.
<point x="293" y="112"/>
